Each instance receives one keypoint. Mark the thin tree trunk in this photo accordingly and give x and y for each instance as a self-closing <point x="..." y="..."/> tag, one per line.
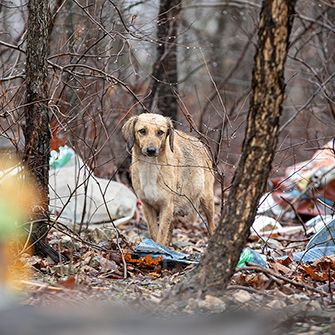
<point x="165" y="71"/>
<point x="37" y="133"/>
<point x="249" y="182"/>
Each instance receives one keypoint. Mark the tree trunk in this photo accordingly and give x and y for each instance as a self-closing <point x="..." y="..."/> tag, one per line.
<point x="37" y="132"/>
<point x="224" y="248"/>
<point x="165" y="72"/>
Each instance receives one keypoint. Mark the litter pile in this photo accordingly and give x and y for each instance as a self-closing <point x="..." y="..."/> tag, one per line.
<point x="307" y="189"/>
<point x="294" y="231"/>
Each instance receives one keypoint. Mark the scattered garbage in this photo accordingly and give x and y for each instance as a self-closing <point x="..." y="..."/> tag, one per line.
<point x="60" y="158"/>
<point x="77" y="196"/>
<point x="308" y="188"/>
<point x="311" y="255"/>
<point x="169" y="257"/>
<point x="324" y="237"/>
<point x="264" y="224"/>
<point x="148" y="247"/>
<point x="269" y="206"/>
<point x="317" y="223"/>
<point x="319" y="218"/>
<point x="320" y="245"/>
<point x="249" y="255"/>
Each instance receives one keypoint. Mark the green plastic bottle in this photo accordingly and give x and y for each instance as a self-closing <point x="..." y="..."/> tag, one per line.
<point x="250" y="256"/>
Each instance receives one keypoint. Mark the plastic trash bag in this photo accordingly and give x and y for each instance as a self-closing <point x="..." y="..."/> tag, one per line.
<point x="76" y="195"/>
<point x="311" y="255"/>
<point x="148" y="247"/>
<point x="325" y="237"/>
<point x="263" y="224"/>
<point x="307" y="186"/>
<point x="321" y="244"/>
<point x="269" y="206"/>
<point x="318" y="222"/>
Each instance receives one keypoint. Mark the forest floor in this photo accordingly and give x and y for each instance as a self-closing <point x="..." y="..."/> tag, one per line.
<point x="295" y="297"/>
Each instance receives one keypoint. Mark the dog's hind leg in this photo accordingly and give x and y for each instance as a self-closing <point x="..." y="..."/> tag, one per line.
<point x="207" y="206"/>
<point x="150" y="215"/>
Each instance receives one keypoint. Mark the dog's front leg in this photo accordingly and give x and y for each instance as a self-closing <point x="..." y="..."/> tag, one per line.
<point x="151" y="217"/>
<point x="165" y="225"/>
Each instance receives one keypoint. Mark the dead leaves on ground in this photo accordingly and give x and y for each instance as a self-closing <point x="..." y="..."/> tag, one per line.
<point x="289" y="277"/>
<point x="102" y="269"/>
<point x="144" y="262"/>
<point x="322" y="270"/>
<point x="99" y="262"/>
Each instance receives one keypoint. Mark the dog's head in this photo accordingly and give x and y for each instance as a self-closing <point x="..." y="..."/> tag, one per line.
<point x="149" y="132"/>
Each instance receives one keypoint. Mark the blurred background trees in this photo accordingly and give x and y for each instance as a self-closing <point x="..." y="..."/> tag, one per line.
<point x="164" y="87"/>
<point x="106" y="62"/>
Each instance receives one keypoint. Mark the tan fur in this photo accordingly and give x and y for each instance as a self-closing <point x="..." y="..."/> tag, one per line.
<point x="176" y="179"/>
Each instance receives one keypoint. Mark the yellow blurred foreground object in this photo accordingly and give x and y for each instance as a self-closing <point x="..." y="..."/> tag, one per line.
<point x="17" y="198"/>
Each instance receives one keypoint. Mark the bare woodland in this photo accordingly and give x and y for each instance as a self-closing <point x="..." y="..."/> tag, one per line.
<point x="254" y="80"/>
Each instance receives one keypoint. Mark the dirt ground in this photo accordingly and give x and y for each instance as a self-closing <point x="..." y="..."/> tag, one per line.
<point x="290" y="298"/>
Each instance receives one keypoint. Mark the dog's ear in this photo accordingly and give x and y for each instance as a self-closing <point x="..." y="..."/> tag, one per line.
<point x="171" y="134"/>
<point x="128" y="131"/>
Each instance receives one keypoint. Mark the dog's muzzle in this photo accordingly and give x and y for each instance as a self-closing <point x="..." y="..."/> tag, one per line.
<point x="151" y="151"/>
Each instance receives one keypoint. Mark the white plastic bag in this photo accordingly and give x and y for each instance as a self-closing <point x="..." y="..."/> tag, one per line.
<point x="76" y="195"/>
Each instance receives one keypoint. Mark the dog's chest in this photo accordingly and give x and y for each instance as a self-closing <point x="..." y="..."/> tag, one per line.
<point x="149" y="188"/>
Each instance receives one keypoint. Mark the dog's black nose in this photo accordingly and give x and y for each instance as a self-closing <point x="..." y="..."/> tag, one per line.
<point x="151" y="151"/>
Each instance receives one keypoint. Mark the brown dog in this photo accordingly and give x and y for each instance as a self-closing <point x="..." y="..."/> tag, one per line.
<point x="171" y="173"/>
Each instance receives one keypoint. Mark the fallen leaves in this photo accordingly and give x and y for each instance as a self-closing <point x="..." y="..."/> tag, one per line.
<point x="321" y="270"/>
<point x="97" y="269"/>
<point x="314" y="274"/>
<point x="144" y="262"/>
<point x="69" y="283"/>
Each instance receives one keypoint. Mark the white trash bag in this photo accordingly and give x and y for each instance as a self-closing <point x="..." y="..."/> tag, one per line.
<point x="76" y="195"/>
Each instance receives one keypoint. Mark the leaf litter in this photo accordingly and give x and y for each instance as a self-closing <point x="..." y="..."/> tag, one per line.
<point x="95" y="273"/>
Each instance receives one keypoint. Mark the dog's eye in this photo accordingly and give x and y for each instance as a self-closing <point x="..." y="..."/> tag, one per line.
<point x="160" y="132"/>
<point x="142" y="131"/>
